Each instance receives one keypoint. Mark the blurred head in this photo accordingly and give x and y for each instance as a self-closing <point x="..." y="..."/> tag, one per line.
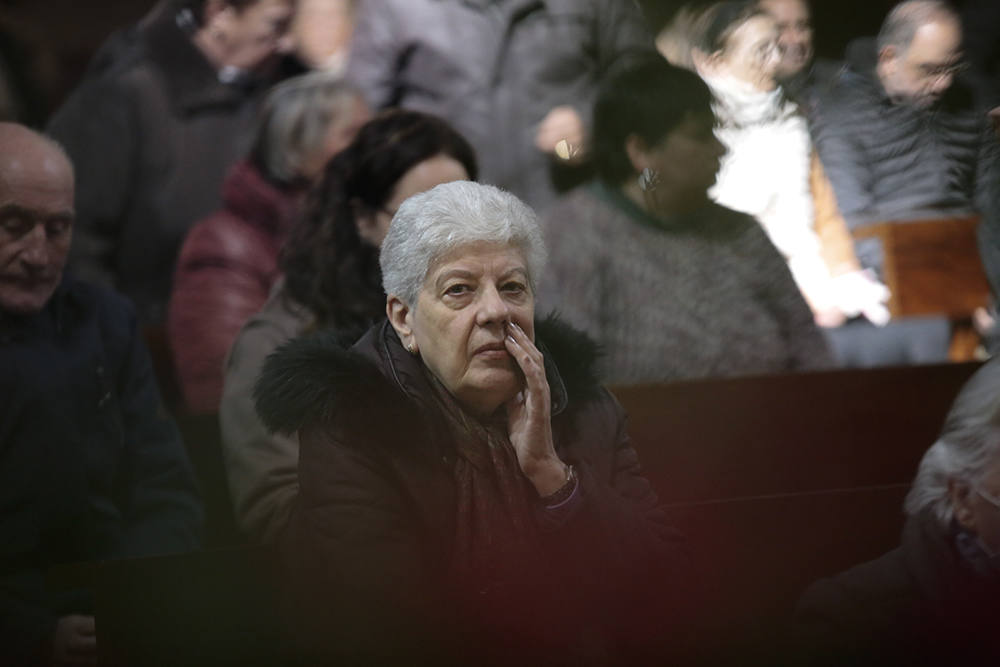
<point x="959" y="476"/>
<point x="740" y="42"/>
<point x="459" y="264"/>
<point x="304" y="122"/>
<point x="331" y="258"/>
<point x="795" y="34"/>
<point x="652" y="114"/>
<point x="36" y="218"/>
<point x="245" y="34"/>
<point x="919" y="52"/>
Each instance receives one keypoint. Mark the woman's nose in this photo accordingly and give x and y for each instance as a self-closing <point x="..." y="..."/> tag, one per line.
<point x="492" y="307"/>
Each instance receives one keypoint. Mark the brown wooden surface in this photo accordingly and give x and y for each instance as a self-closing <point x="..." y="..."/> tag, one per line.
<point x="931" y="267"/>
<point x="778" y="481"/>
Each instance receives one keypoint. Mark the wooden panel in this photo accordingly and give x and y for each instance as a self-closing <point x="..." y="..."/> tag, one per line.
<point x="932" y="267"/>
<point x="730" y="438"/>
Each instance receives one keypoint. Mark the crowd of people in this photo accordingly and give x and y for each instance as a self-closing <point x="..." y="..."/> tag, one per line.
<point x="399" y="247"/>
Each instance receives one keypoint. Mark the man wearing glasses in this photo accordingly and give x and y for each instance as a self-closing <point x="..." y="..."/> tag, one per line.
<point x="901" y="138"/>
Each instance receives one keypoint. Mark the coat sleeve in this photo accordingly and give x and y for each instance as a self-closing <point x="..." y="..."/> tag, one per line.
<point x="162" y="511"/>
<point x="804" y="343"/>
<point x="376" y="46"/>
<point x="352" y="536"/>
<point x="98" y="126"/>
<point x="217" y="287"/>
<point x="836" y="136"/>
<point x="262" y="467"/>
<point x="622" y="32"/>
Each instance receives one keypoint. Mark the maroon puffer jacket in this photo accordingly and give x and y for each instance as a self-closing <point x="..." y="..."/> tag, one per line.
<point x="226" y="268"/>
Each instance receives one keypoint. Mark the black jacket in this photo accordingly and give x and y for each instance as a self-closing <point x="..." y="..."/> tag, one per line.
<point x="151" y="132"/>
<point x="889" y="161"/>
<point x="372" y="531"/>
<point x="921" y="603"/>
<point x="91" y="468"/>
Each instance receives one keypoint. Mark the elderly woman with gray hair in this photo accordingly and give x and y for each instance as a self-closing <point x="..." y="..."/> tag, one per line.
<point x="467" y="491"/>
<point x="229" y="261"/>
<point x="936" y="598"/>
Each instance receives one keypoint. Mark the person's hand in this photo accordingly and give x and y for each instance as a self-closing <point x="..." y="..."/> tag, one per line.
<point x="74" y="641"/>
<point x="529" y="418"/>
<point x="561" y="133"/>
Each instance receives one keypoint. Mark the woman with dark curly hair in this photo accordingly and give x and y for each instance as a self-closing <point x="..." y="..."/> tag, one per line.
<point x="331" y="280"/>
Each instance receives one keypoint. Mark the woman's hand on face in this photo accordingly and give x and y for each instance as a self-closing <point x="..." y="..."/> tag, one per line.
<point x="529" y="417"/>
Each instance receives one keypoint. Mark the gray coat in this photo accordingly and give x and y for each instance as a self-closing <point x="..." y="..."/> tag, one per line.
<point x="494" y="69"/>
<point x="151" y="132"/>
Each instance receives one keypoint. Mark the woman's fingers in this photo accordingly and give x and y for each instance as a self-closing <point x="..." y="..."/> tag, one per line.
<point x="526" y="354"/>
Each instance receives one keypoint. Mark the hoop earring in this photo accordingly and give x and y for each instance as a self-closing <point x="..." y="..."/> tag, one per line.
<point x="649" y="179"/>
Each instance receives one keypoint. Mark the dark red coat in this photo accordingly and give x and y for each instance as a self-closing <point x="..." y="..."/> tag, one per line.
<point x="225" y="271"/>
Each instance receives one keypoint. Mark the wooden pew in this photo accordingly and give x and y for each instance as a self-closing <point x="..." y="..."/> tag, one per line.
<point x="932" y="267"/>
<point x="778" y="481"/>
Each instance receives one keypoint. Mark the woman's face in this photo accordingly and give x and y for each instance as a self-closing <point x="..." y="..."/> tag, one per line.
<point x="687" y="159"/>
<point x="339" y="134"/>
<point x="459" y="322"/>
<point x="751" y="53"/>
<point x="420" y="177"/>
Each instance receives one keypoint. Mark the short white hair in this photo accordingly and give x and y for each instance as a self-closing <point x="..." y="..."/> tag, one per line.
<point x="968" y="445"/>
<point x="430" y="224"/>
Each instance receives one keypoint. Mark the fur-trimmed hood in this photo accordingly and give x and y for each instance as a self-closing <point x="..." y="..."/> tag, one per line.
<point x="316" y="379"/>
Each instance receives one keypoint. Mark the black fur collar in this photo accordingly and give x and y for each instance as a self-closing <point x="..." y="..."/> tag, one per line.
<point x="316" y="379"/>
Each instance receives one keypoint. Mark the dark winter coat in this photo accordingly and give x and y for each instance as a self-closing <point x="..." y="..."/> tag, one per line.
<point x="372" y="531"/>
<point x="91" y="468"/>
<point x="890" y="161"/>
<point x="151" y="132"/>
<point x="226" y="269"/>
<point x="918" y="604"/>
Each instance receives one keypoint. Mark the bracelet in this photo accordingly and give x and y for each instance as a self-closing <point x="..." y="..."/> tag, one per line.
<point x="564" y="492"/>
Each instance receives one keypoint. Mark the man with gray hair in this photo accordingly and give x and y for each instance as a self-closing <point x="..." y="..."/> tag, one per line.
<point x="91" y="468"/>
<point x="933" y="600"/>
<point x="901" y="139"/>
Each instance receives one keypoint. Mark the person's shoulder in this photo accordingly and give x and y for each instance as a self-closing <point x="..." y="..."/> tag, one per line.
<point x="574" y="354"/>
<point x="320" y="378"/>
<point x="721" y="221"/>
<point x="866" y="590"/>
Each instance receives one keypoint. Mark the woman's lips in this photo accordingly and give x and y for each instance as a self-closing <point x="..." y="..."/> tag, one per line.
<point x="495" y="350"/>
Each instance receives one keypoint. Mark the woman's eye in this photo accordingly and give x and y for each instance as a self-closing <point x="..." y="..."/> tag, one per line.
<point x="515" y="287"/>
<point x="457" y="290"/>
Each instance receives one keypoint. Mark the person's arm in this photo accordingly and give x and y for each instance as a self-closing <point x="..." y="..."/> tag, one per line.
<point x="161" y="508"/>
<point x="360" y="562"/>
<point x="620" y="31"/>
<point x="375" y="49"/>
<point x="262" y="467"/>
<point x="217" y="287"/>
<point x="575" y="274"/>
<point x="844" y="159"/>
<point x="97" y="126"/>
<point x="805" y="345"/>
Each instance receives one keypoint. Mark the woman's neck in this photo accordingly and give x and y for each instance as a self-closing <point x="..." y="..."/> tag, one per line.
<point x="661" y="203"/>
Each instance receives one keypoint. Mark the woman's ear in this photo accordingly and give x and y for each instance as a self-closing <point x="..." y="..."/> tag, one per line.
<point x="400" y="317"/>
<point x="637" y="151"/>
<point x="960" y="495"/>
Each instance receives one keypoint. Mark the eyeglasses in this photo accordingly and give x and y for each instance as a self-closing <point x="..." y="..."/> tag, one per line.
<point x="936" y="71"/>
